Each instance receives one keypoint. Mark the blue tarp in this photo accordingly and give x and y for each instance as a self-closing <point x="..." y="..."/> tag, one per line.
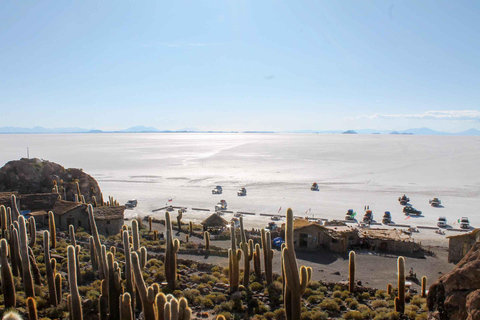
<point x="277" y="242"/>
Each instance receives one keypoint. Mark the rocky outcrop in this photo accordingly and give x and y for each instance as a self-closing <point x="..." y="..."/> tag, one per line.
<point x="456" y="295"/>
<point x="29" y="176"/>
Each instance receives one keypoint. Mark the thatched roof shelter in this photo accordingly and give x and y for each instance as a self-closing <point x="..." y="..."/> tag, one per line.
<point x="214" y="221"/>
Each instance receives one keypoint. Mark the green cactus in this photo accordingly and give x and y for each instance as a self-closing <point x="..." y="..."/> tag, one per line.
<point x="9" y="217"/>
<point x="187" y="238"/>
<point x="77" y="256"/>
<point x="351" y="271"/>
<point x="98" y="246"/>
<point x="32" y="228"/>
<point x="53" y="232"/>
<point x="78" y="189"/>
<point x="58" y="286"/>
<point x="16" y="259"/>
<point x="34" y="267"/>
<point x="115" y="289"/>
<point x="126" y="307"/>
<point x="94" y="200"/>
<point x="400" y="305"/>
<point x="234" y="268"/>
<point x="176" y="309"/>
<point x="389" y="288"/>
<point x="15" y="212"/>
<point x="8" y="287"/>
<point x="179" y="220"/>
<point x="143" y="257"/>
<point x="247" y="249"/>
<point x="32" y="309"/>
<point x="27" y="274"/>
<point x="129" y="286"/>
<point x="146" y="295"/>
<point x="48" y="269"/>
<point x="256" y="263"/>
<point x="136" y="236"/>
<point x="172" y="246"/>
<point x="103" y="301"/>
<point x="155" y="235"/>
<point x="3" y="218"/>
<point x="424" y="286"/>
<point x="295" y="283"/>
<point x="71" y="233"/>
<point x="150" y="221"/>
<point x="267" y="255"/>
<point x="75" y="305"/>
<point x="93" y="256"/>
<point x="160" y="301"/>
<point x="190" y="228"/>
<point x="206" y="235"/>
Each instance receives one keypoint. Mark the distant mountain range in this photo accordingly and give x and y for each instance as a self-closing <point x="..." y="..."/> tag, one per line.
<point x="143" y="129"/>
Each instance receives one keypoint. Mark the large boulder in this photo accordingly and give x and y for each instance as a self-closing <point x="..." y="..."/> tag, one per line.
<point x="456" y="295"/>
<point x="27" y="176"/>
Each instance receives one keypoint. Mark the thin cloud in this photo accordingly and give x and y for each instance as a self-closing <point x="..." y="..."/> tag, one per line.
<point x="465" y="115"/>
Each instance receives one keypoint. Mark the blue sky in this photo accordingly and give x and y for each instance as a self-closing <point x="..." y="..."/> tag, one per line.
<point x="240" y="65"/>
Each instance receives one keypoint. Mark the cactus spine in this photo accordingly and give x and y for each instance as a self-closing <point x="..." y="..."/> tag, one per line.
<point x="75" y="305"/>
<point x="424" y="286"/>
<point x="98" y="246"/>
<point x="267" y="255"/>
<point x="53" y="232"/>
<point x="8" y="287"/>
<point x="146" y="296"/>
<point x="171" y="250"/>
<point x="126" y="307"/>
<point x="49" y="270"/>
<point x="351" y="271"/>
<point x="206" y="235"/>
<point x="27" y="274"/>
<point x="32" y="309"/>
<point x="295" y="283"/>
<point x="400" y="306"/>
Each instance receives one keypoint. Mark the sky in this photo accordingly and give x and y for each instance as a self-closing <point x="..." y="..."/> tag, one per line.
<point x="240" y="65"/>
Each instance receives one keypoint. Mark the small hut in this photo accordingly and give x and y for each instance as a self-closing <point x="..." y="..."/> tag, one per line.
<point x="214" y="222"/>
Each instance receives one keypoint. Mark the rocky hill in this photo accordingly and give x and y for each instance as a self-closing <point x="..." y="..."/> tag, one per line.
<point x="38" y="176"/>
<point x="456" y="295"/>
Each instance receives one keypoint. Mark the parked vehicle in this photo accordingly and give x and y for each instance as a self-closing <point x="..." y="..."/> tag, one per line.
<point x="314" y="187"/>
<point x="275" y="218"/>
<point x="411" y="211"/>
<point x="464" y="223"/>
<point x="350" y="215"/>
<point x="271" y="226"/>
<point x="217" y="190"/>
<point x="242" y="192"/>
<point x="222" y="205"/>
<point x="387" y="217"/>
<point x="403" y="200"/>
<point x="442" y="222"/>
<point x="368" y="217"/>
<point x="435" y="202"/>
<point x="131" y="203"/>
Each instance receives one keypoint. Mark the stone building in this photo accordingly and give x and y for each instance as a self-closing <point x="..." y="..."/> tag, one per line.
<point x="459" y="245"/>
<point x="387" y="240"/>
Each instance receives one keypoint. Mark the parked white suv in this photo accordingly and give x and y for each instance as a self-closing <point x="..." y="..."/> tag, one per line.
<point x="442" y="222"/>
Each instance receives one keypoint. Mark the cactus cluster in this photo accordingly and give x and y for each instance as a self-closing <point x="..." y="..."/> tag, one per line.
<point x="247" y="250"/>
<point x="234" y="256"/>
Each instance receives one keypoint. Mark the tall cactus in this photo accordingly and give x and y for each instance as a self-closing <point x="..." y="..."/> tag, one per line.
<point x="400" y="300"/>
<point x="129" y="286"/>
<point x="34" y="267"/>
<point x="146" y="295"/>
<point x="295" y="283"/>
<point x="32" y="309"/>
<point x="351" y="271"/>
<point x="3" y="218"/>
<point x="267" y="255"/>
<point x="171" y="250"/>
<point x="15" y="212"/>
<point x="32" y="228"/>
<point x="179" y="220"/>
<point x="15" y="251"/>
<point x="424" y="286"/>
<point x="48" y="269"/>
<point x="98" y="245"/>
<point x="126" y="307"/>
<point x="176" y="310"/>
<point x="114" y="287"/>
<point x="160" y="301"/>
<point x="389" y="288"/>
<point x="53" y="232"/>
<point x="75" y="299"/>
<point x="77" y="257"/>
<point x="234" y="257"/>
<point x="247" y="249"/>
<point x="71" y="233"/>
<point x="190" y="228"/>
<point x="8" y="287"/>
<point x="150" y="221"/>
<point x="58" y="287"/>
<point x="136" y="236"/>
<point x="27" y="274"/>
<point x="256" y="263"/>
